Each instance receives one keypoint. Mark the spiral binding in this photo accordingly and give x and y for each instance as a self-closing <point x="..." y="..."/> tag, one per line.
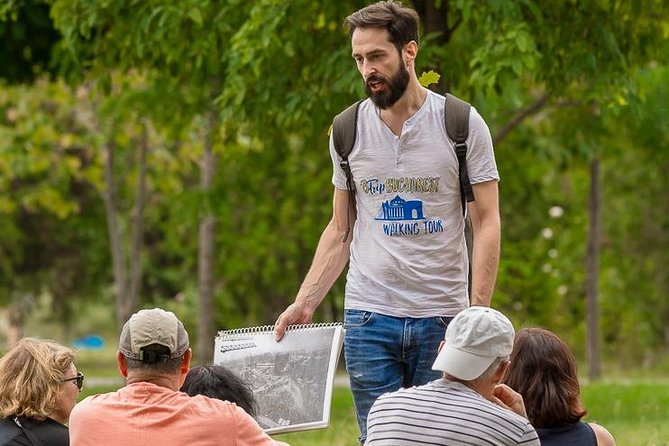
<point x="270" y="329"/>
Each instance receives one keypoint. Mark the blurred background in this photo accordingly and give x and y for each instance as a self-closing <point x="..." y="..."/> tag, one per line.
<point x="174" y="154"/>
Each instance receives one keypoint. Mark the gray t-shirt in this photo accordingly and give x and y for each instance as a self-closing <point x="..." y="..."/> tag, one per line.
<point x="408" y="254"/>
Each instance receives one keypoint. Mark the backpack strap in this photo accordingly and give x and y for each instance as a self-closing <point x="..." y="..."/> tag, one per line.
<point x="456" y="117"/>
<point x="344" y="129"/>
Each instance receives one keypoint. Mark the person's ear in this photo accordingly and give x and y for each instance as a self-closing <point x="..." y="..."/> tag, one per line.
<point x="410" y="51"/>
<point x="501" y="371"/>
<point x="122" y="364"/>
<point x="185" y="363"/>
<point x="441" y="345"/>
<point x="185" y="366"/>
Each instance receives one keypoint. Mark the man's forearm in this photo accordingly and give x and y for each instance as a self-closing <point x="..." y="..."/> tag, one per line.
<point x="329" y="261"/>
<point x="485" y="260"/>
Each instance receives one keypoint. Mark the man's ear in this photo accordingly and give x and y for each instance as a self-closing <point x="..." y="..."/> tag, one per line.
<point x="441" y="345"/>
<point x="185" y="363"/>
<point x="122" y="365"/>
<point x="501" y="371"/>
<point x="410" y="51"/>
<point x="185" y="366"/>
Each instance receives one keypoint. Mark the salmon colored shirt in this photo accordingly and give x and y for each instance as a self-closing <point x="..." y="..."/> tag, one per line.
<point x="147" y="414"/>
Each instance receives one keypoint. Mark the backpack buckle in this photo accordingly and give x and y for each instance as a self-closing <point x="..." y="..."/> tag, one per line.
<point x="460" y="148"/>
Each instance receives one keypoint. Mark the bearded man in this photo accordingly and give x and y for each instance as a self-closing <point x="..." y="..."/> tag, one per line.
<point x="408" y="272"/>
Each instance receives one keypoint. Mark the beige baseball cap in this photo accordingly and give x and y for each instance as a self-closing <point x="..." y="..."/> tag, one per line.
<point x="154" y="326"/>
<point x="474" y="339"/>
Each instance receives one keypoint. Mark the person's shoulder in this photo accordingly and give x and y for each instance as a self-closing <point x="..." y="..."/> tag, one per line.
<point x="434" y="96"/>
<point x="218" y="412"/>
<point x="365" y="107"/>
<point x="89" y="406"/>
<point x="409" y="391"/>
<point x="604" y="437"/>
<point x="506" y="414"/>
<point x="89" y="400"/>
<point x="515" y="424"/>
<point x="56" y="433"/>
<point x="212" y="405"/>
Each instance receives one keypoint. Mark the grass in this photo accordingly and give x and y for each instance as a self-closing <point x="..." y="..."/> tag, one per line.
<point x="635" y="412"/>
<point x="343" y="429"/>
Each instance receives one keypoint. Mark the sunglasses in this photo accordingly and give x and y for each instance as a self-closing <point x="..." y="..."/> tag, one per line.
<point x="79" y="380"/>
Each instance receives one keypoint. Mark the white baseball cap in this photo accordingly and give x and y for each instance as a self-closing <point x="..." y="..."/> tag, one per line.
<point x="474" y="339"/>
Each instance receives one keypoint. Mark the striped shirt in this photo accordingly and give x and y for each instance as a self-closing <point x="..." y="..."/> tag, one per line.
<point x="444" y="413"/>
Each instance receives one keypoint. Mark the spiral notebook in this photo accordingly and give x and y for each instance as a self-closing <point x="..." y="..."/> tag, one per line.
<point x="292" y="379"/>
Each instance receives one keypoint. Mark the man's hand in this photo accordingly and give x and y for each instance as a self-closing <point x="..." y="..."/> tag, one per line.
<point x="505" y="396"/>
<point x="296" y="313"/>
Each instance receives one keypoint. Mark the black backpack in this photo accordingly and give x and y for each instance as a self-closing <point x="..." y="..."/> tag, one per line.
<point x="456" y="121"/>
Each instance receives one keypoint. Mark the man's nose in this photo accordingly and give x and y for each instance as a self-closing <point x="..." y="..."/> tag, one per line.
<point x="368" y="69"/>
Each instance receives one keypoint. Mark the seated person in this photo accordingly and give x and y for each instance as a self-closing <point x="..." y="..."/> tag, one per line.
<point x="39" y="386"/>
<point x="462" y="407"/>
<point x="154" y="357"/>
<point x="543" y="371"/>
<point x="215" y="381"/>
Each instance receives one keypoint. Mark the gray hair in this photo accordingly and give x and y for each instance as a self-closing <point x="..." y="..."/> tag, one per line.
<point x="490" y="371"/>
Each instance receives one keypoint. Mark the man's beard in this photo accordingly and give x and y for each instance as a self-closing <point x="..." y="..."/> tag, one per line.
<point x="394" y="89"/>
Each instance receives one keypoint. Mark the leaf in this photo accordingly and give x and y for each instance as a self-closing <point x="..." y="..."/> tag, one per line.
<point x="196" y="16"/>
<point x="428" y="78"/>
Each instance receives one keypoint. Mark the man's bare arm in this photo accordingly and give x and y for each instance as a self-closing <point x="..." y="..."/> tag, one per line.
<point x="332" y="254"/>
<point x="486" y="229"/>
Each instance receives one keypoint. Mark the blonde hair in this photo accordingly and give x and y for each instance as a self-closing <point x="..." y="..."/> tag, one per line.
<point x="31" y="374"/>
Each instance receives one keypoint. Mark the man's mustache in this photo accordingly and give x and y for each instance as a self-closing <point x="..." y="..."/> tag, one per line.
<point x="375" y="78"/>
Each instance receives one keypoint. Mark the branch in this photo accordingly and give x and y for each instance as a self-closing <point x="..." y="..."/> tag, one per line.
<point x="455" y="26"/>
<point x="520" y="117"/>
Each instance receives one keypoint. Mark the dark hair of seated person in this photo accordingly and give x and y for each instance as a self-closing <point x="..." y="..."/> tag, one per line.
<point x="543" y="371"/>
<point x="215" y="381"/>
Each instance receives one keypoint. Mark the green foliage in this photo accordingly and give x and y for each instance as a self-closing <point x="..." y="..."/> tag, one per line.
<point x="637" y="246"/>
<point x="51" y="236"/>
<point x="27" y="38"/>
<point x="275" y="73"/>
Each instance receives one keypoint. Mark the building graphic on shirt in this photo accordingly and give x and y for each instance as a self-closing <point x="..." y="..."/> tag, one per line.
<point x="400" y="209"/>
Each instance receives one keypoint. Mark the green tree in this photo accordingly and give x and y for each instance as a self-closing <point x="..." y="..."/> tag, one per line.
<point x="48" y="214"/>
<point x="184" y="47"/>
<point x="245" y="92"/>
<point x="27" y="38"/>
<point x="512" y="59"/>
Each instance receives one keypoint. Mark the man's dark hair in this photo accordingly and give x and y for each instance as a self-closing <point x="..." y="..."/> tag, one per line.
<point x="156" y="358"/>
<point x="400" y="21"/>
<point x="215" y="381"/>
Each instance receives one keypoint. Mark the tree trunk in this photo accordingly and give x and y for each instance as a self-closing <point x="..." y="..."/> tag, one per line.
<point x="123" y="310"/>
<point x="22" y="302"/>
<point x="205" y="327"/>
<point x="138" y="225"/>
<point x="434" y="17"/>
<point x="592" y="272"/>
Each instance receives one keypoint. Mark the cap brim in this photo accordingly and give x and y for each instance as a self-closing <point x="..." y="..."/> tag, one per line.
<point x="461" y="364"/>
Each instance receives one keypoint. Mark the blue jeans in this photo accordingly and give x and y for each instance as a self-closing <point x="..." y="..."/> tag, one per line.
<point x="384" y="353"/>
